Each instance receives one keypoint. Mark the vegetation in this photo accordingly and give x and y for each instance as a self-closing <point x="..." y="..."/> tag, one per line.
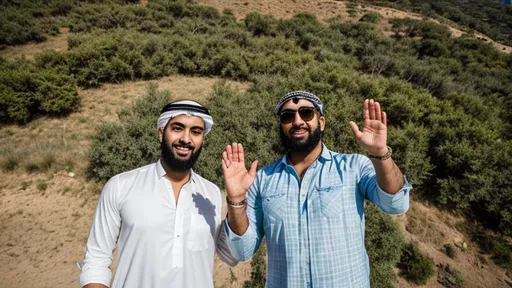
<point x="448" y="99"/>
<point x="486" y="16"/>
<point x="27" y="91"/>
<point x="258" y="269"/>
<point x="384" y="249"/>
<point x="414" y="266"/>
<point x="450" y="250"/>
<point x="449" y="277"/>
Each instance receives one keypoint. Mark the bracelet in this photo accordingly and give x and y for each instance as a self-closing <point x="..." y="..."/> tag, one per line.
<point x="384" y="157"/>
<point x="235" y="204"/>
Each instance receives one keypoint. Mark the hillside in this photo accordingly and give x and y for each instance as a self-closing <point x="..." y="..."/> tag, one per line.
<point x="47" y="201"/>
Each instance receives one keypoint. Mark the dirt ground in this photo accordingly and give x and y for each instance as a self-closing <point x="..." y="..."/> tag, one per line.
<point x="45" y="215"/>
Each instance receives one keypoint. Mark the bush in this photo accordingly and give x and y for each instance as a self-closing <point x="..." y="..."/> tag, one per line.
<point x="117" y="148"/>
<point x="371" y="17"/>
<point x="384" y="244"/>
<point x="26" y="93"/>
<point x="9" y="163"/>
<point x="258" y="269"/>
<point x="449" y="277"/>
<point x="450" y="251"/>
<point x="414" y="266"/>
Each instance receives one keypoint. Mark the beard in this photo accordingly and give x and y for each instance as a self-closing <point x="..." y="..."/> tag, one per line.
<point x="175" y="163"/>
<point x="300" y="146"/>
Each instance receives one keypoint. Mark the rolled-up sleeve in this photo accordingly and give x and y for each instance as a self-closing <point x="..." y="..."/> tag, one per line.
<point x="393" y="204"/>
<point x="102" y="240"/>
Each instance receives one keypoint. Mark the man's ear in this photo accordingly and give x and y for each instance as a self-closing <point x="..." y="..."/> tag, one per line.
<point x="321" y="119"/>
<point x="160" y="134"/>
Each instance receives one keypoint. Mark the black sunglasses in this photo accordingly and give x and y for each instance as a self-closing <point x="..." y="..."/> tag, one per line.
<point x="305" y="113"/>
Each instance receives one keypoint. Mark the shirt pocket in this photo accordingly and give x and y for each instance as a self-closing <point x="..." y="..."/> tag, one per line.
<point x="199" y="233"/>
<point x="274" y="205"/>
<point x="336" y="200"/>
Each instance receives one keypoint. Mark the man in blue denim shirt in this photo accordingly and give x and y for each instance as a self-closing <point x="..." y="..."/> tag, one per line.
<point x="310" y="204"/>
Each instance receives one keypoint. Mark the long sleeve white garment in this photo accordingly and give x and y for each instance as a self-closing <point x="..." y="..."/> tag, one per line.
<point x="160" y="244"/>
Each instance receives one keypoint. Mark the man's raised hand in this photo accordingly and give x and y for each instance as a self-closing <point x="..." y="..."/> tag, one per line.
<point x="373" y="135"/>
<point x="237" y="178"/>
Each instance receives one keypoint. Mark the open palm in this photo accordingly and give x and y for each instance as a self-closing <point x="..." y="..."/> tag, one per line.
<point x="236" y="176"/>
<point x="373" y="135"/>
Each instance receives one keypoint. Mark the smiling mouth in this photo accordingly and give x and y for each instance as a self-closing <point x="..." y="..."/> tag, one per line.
<point x="298" y="133"/>
<point x="182" y="150"/>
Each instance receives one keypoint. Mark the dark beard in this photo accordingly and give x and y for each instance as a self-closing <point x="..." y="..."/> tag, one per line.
<point x="298" y="146"/>
<point x="175" y="163"/>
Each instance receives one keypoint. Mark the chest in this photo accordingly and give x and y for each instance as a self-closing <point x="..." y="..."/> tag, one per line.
<point x="323" y="194"/>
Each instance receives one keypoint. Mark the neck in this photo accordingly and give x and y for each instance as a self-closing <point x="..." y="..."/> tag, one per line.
<point x="174" y="175"/>
<point x="305" y="159"/>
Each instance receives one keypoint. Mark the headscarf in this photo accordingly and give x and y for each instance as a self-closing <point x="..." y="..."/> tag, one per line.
<point x="300" y="95"/>
<point x="187" y="107"/>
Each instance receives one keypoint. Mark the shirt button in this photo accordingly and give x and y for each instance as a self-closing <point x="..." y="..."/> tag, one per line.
<point x="178" y="236"/>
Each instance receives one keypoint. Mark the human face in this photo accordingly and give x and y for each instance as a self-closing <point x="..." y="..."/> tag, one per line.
<point x="303" y="132"/>
<point x="181" y="141"/>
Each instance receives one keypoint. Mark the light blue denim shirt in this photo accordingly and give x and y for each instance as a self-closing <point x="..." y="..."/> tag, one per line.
<point x="314" y="227"/>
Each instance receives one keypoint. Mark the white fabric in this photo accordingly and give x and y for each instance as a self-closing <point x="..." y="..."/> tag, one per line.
<point x="160" y="244"/>
<point x="166" y="116"/>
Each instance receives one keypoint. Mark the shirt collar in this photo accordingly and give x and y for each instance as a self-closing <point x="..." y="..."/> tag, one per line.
<point x="324" y="156"/>
<point x="161" y="172"/>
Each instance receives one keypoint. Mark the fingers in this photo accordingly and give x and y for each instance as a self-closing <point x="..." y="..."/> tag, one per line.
<point x="234" y="147"/>
<point x="233" y="153"/>
<point x="377" y="111"/>
<point x="355" y="129"/>
<point x="254" y="166"/>
<point x="384" y="118"/>
<point x="225" y="165"/>
<point x="373" y="111"/>
<point x="241" y="153"/>
<point x="371" y="107"/>
<point x="366" y="110"/>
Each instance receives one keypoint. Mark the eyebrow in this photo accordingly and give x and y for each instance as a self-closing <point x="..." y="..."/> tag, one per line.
<point x="290" y="109"/>
<point x="179" y="124"/>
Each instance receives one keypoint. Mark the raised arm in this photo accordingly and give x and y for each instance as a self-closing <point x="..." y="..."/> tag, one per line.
<point x="237" y="180"/>
<point x="373" y="139"/>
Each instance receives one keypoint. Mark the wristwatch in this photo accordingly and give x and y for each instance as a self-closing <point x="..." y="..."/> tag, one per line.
<point x="383" y="157"/>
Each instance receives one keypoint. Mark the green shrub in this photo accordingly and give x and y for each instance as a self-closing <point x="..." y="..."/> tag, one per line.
<point x="258" y="269"/>
<point x="42" y="186"/>
<point x="117" y="148"/>
<point x="371" y="17"/>
<point x="26" y="92"/>
<point x="384" y="243"/>
<point x="414" y="266"/>
<point x="10" y="163"/>
<point x="498" y="247"/>
<point x="449" y="277"/>
<point x="450" y="251"/>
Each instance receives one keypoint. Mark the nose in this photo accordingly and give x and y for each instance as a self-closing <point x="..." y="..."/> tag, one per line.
<point x="297" y="120"/>
<point x="185" y="136"/>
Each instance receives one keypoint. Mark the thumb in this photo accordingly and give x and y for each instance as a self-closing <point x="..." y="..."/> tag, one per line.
<point x="355" y="129"/>
<point x="254" y="166"/>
